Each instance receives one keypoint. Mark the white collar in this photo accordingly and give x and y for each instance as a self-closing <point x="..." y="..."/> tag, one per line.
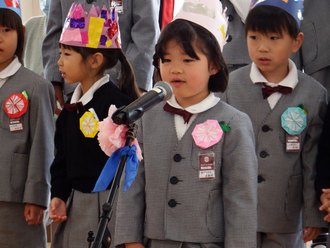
<point x="291" y="80"/>
<point x="210" y="101"/>
<point x="11" y="69"/>
<point x="88" y="96"/>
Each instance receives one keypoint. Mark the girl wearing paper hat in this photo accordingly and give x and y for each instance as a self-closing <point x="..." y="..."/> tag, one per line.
<point x="197" y="185"/>
<point x="27" y="129"/>
<point x="89" y="44"/>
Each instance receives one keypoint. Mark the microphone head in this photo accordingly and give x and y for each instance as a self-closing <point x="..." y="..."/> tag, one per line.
<point x="166" y="88"/>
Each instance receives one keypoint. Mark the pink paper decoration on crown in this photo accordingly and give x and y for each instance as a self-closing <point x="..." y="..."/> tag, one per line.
<point x="97" y="29"/>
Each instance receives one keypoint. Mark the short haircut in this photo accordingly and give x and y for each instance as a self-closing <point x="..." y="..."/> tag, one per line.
<point x="267" y="18"/>
<point x="187" y="34"/>
<point x="10" y="19"/>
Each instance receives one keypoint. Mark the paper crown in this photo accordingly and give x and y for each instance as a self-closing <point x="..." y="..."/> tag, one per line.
<point x="208" y="14"/>
<point x="13" y="5"/>
<point x="97" y="29"/>
<point x="293" y="7"/>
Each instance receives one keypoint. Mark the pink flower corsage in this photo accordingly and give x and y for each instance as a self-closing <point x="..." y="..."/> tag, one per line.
<point x="112" y="136"/>
<point x="207" y="134"/>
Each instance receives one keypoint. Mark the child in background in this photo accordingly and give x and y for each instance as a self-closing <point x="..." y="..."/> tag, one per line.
<point x="89" y="45"/>
<point x="27" y="130"/>
<point x="287" y="109"/>
<point x="190" y="193"/>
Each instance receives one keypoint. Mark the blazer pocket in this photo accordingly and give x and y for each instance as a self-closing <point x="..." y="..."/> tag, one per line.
<point x="18" y="174"/>
<point x="214" y="214"/>
<point x="309" y="47"/>
<point x="294" y="198"/>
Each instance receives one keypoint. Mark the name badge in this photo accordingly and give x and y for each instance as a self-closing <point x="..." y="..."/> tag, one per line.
<point x="118" y="4"/>
<point x="206" y="165"/>
<point x="15" y="124"/>
<point x="292" y="143"/>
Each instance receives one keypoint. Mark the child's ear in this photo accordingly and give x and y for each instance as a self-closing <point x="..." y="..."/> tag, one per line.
<point x="213" y="68"/>
<point x="96" y="60"/>
<point x="297" y="43"/>
<point x="24" y="29"/>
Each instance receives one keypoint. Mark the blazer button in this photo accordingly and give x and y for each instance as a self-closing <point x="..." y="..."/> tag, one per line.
<point x="229" y="39"/>
<point x="230" y="18"/>
<point x="263" y="154"/>
<point x="177" y="157"/>
<point x="172" y="203"/>
<point x="260" y="179"/>
<point x="90" y="1"/>
<point x="265" y="128"/>
<point x="174" y="180"/>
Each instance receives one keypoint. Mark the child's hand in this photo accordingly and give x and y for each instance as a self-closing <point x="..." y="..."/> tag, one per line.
<point x="33" y="214"/>
<point x="134" y="245"/>
<point x="311" y="233"/>
<point x="325" y="200"/>
<point x="57" y="210"/>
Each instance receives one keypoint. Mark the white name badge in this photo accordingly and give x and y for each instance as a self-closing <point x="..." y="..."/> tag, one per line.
<point x="15" y="124"/>
<point x="206" y="165"/>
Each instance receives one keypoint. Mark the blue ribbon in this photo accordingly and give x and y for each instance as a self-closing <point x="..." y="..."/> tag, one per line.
<point x="110" y="168"/>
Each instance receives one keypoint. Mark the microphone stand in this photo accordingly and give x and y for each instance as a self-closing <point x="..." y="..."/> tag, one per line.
<point x="103" y="236"/>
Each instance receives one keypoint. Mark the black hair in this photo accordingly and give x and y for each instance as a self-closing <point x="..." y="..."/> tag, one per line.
<point x="271" y="19"/>
<point x="126" y="81"/>
<point x="10" y="19"/>
<point x="187" y="34"/>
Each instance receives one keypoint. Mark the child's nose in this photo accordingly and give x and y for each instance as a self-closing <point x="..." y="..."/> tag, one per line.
<point x="176" y="70"/>
<point x="59" y="62"/>
<point x="263" y="47"/>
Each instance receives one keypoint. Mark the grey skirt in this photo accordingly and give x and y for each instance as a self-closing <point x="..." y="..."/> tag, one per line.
<point x="14" y="230"/>
<point x="83" y="211"/>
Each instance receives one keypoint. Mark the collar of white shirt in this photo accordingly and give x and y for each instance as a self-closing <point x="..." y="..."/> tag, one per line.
<point x="88" y="96"/>
<point x="291" y="80"/>
<point x="210" y="101"/>
<point x="10" y="70"/>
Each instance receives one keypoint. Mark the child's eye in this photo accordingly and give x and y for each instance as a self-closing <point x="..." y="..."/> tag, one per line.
<point x="6" y="30"/>
<point x="274" y="38"/>
<point x="166" y="60"/>
<point x="188" y="60"/>
<point x="253" y="37"/>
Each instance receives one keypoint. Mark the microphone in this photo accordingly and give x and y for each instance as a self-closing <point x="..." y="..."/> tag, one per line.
<point x="134" y="111"/>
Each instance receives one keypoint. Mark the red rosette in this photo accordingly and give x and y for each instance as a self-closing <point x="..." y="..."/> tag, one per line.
<point x="16" y="105"/>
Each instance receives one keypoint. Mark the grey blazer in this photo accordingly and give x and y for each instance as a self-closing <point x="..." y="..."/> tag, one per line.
<point x="286" y="194"/>
<point x="139" y="29"/>
<point x="168" y="202"/>
<point x="26" y="156"/>
<point x="235" y="51"/>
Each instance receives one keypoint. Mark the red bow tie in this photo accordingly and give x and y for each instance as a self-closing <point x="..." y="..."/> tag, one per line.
<point x="185" y="114"/>
<point x="75" y="106"/>
<point x="267" y="90"/>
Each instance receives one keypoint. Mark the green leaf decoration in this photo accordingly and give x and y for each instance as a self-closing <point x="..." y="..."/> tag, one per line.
<point x="224" y="127"/>
<point x="24" y="93"/>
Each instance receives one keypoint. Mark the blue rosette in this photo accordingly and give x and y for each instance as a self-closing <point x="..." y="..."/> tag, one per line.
<point x="294" y="120"/>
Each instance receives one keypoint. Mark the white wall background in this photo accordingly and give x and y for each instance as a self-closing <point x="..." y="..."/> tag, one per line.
<point x="30" y="8"/>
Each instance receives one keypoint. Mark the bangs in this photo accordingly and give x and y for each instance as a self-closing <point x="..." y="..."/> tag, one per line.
<point x="270" y="19"/>
<point x="183" y="34"/>
<point x="12" y="20"/>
